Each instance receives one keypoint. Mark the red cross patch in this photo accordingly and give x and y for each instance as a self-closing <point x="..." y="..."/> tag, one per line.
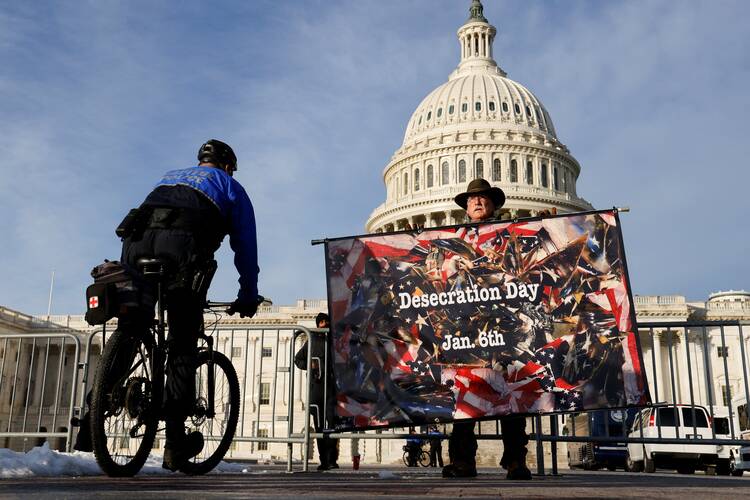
<point x="93" y="302"/>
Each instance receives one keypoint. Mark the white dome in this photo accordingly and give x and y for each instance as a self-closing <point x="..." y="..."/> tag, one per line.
<point x="486" y="99"/>
<point x="478" y="124"/>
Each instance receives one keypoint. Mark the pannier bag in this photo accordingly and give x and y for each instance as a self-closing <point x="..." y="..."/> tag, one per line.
<point x="117" y="290"/>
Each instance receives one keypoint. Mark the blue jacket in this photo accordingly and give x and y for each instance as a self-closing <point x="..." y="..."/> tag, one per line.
<point x="230" y="198"/>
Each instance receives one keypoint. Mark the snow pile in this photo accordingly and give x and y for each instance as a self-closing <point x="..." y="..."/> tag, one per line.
<point x="386" y="474"/>
<point x="41" y="461"/>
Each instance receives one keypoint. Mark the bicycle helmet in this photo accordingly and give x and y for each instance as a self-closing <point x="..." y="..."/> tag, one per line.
<point x="218" y="153"/>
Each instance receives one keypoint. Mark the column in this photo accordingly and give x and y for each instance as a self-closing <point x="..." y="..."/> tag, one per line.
<point x="657" y="369"/>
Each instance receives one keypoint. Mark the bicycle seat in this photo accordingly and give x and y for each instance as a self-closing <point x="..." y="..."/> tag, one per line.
<point x="150" y="266"/>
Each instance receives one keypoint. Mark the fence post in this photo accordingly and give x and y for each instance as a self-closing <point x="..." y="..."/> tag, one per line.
<point x="553" y="444"/>
<point x="539" y="446"/>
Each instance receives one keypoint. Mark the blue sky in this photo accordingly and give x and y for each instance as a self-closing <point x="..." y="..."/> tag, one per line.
<point x="98" y="99"/>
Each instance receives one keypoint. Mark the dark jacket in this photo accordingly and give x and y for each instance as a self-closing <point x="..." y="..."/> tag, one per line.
<point x="322" y="390"/>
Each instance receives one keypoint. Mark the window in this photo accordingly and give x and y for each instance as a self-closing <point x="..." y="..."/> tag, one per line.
<point x="444" y="173"/>
<point x="429" y="115"/>
<point x="517" y="108"/>
<point x="451" y="108"/>
<point x="236" y="352"/>
<point x="464" y="108"/>
<point x="694" y="416"/>
<point x="265" y="393"/>
<point x="722" y="352"/>
<point x="479" y="169"/>
<point x="416" y="180"/>
<point x="721" y="425"/>
<point x="528" y="111"/>
<point x="726" y="394"/>
<point x="406" y="183"/>
<point x="743" y="417"/>
<point x="545" y="175"/>
<point x="666" y="417"/>
<point x="266" y="352"/>
<point x="430" y="176"/>
<point x="462" y="171"/>
<point x="263" y="446"/>
<point x="492" y="105"/>
<point x="556" y="178"/>
<point x="420" y="120"/>
<point x="513" y="171"/>
<point x="496" y="169"/>
<point x="505" y="107"/>
<point x="478" y="106"/>
<point x="529" y="172"/>
<point x="439" y="112"/>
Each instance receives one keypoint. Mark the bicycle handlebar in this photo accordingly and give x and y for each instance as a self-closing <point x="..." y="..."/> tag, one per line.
<point x="219" y="305"/>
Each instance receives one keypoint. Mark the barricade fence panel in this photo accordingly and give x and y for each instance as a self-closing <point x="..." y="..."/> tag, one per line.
<point x="39" y="375"/>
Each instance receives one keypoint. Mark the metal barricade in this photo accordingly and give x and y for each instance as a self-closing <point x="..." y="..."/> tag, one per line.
<point x="38" y="385"/>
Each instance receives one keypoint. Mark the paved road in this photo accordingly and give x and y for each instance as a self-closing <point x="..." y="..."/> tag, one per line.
<point x="395" y="483"/>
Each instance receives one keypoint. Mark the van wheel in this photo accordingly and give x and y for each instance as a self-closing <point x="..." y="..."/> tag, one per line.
<point x="686" y="469"/>
<point x="722" y="467"/>
<point x="632" y="466"/>
<point x="649" y="465"/>
<point x="733" y="467"/>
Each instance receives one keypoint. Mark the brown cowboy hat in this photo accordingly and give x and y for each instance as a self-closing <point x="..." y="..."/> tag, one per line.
<point x="481" y="186"/>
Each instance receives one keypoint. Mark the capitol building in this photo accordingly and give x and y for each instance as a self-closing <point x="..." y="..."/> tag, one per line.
<point x="477" y="124"/>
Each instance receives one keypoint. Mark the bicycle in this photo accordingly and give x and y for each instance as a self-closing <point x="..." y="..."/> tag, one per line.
<point x="423" y="458"/>
<point x="125" y="414"/>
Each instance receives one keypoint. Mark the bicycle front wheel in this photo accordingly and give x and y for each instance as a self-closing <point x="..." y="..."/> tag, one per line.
<point x="123" y="417"/>
<point x="217" y="426"/>
<point x="424" y="459"/>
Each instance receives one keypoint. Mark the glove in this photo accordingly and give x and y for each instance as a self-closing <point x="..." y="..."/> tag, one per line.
<point x="246" y="308"/>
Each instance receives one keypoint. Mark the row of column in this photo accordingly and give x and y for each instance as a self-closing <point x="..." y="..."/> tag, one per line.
<point x="402" y="184"/>
<point x="446" y="218"/>
<point x="476" y="44"/>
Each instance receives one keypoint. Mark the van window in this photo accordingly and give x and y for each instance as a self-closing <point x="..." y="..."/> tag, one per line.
<point x="666" y="417"/>
<point x="700" y="417"/>
<point x="742" y="416"/>
<point x="721" y="425"/>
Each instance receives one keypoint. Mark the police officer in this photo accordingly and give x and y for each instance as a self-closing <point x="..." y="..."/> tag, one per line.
<point x="480" y="201"/>
<point x="186" y="217"/>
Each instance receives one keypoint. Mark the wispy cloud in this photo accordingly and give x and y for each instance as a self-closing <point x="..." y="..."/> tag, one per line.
<point x="98" y="100"/>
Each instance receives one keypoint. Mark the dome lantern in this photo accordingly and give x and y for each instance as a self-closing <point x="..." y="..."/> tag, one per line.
<point x="476" y="37"/>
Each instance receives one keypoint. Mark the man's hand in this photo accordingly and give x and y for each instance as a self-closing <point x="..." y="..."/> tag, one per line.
<point x="247" y="309"/>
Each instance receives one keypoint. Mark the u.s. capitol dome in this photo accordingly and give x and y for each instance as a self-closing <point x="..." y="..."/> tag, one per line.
<point x="480" y="123"/>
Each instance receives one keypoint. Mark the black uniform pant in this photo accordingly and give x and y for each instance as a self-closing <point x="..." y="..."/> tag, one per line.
<point x="462" y="444"/>
<point x="328" y="449"/>
<point x="184" y="317"/>
<point x="436" y="453"/>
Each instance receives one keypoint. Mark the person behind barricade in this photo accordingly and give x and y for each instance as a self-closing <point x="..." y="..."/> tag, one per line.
<point x="322" y="392"/>
<point x="413" y="448"/>
<point x="183" y="221"/>
<point x="436" y="447"/>
<point x="481" y="200"/>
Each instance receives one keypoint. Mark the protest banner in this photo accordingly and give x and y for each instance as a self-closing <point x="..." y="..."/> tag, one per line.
<point x="483" y="320"/>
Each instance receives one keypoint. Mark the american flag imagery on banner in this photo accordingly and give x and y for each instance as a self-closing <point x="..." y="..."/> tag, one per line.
<point x="480" y="321"/>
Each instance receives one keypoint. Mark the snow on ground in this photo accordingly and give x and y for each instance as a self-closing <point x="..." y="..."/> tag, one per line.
<point x="41" y="461"/>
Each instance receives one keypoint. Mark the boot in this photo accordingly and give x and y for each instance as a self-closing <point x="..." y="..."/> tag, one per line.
<point x="177" y="454"/>
<point x="83" y="439"/>
<point x="517" y="471"/>
<point x="460" y="469"/>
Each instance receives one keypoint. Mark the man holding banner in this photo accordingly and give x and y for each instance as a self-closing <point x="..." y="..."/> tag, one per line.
<point x="484" y="321"/>
<point x="481" y="201"/>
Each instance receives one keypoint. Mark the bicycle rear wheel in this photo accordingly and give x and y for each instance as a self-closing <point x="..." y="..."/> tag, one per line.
<point x="424" y="459"/>
<point x="123" y="418"/>
<point x="217" y="429"/>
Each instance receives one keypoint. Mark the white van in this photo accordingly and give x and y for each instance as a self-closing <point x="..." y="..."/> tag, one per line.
<point x="668" y="421"/>
<point x="739" y="461"/>
<point x="727" y="454"/>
